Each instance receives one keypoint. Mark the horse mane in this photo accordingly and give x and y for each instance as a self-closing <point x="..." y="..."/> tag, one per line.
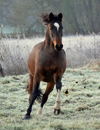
<point x="45" y="18"/>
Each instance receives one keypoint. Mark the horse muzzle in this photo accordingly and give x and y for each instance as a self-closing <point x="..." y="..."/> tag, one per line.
<point x="59" y="47"/>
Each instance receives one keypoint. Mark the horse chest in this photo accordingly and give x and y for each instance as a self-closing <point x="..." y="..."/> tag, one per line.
<point x="50" y="62"/>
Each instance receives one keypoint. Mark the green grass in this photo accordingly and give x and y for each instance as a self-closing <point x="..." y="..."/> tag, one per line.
<point x="80" y="108"/>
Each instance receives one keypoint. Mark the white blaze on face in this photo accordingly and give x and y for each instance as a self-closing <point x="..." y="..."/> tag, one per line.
<point x="56" y="25"/>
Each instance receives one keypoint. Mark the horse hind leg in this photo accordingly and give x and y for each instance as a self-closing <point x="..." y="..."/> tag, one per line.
<point x="48" y="90"/>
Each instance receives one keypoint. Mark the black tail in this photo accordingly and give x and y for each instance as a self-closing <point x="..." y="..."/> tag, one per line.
<point x="40" y="93"/>
<point x="39" y="96"/>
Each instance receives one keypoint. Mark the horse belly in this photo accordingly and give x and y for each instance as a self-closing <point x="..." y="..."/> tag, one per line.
<point x="47" y="76"/>
<point x="48" y="79"/>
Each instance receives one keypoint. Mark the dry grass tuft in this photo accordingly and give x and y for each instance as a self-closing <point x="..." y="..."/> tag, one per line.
<point x="94" y="64"/>
<point x="80" y="50"/>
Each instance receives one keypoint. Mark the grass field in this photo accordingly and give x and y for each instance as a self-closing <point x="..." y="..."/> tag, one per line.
<point x="80" y="108"/>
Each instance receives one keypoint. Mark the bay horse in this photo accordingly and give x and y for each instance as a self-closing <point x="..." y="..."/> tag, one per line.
<point x="47" y="62"/>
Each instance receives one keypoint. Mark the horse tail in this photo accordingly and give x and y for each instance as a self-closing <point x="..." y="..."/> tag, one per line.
<point x="39" y="95"/>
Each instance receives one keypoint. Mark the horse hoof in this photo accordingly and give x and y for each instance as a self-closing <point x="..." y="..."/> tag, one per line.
<point x="27" y="117"/>
<point x="56" y="112"/>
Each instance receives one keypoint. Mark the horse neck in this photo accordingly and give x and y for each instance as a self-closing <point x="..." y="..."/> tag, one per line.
<point x="48" y="41"/>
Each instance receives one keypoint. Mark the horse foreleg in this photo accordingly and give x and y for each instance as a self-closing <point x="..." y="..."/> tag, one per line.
<point x="57" y="105"/>
<point x="49" y="89"/>
<point x="33" y="97"/>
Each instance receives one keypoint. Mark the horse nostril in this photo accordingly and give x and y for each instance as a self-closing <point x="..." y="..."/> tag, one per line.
<point x="59" y="47"/>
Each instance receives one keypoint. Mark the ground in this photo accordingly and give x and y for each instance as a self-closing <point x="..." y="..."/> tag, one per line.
<point x="80" y="107"/>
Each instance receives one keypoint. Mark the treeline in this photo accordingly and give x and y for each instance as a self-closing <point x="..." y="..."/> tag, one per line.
<point x="80" y="16"/>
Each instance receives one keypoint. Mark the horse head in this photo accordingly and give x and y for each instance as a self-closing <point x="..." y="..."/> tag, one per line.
<point x="54" y="23"/>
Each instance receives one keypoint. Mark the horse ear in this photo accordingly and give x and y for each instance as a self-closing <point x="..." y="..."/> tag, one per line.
<point x="60" y="16"/>
<point x="51" y="16"/>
